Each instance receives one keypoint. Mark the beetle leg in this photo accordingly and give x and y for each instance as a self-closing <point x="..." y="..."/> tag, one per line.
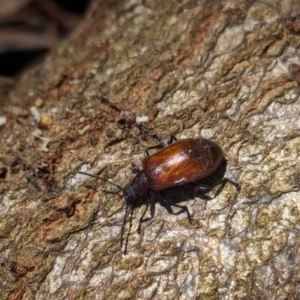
<point x="165" y="202"/>
<point x="128" y="212"/>
<point x="171" y="139"/>
<point x="142" y="219"/>
<point x="206" y="187"/>
<point x="156" y="137"/>
<point x="135" y="169"/>
<point x="236" y="185"/>
<point x="129" y="229"/>
<point x="222" y="184"/>
<point x="205" y="197"/>
<point x="153" y="147"/>
<point x="150" y="203"/>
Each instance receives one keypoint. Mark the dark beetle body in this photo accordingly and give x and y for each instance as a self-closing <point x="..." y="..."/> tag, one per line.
<point x="182" y="162"/>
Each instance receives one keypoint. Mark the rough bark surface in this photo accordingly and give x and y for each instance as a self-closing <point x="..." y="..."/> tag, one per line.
<point x="224" y="70"/>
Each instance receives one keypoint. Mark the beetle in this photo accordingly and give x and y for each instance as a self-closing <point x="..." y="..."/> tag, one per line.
<point x="187" y="161"/>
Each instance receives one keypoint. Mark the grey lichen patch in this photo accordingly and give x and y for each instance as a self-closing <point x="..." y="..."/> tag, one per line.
<point x="280" y="163"/>
<point x="290" y="211"/>
<point x="120" y="290"/>
<point x="258" y="252"/>
<point x="169" y="249"/>
<point x="284" y="168"/>
<point x="267" y="214"/>
<point x="240" y="221"/>
<point x="228" y="253"/>
<point x="131" y="262"/>
<point x="207" y="285"/>
<point x="161" y="265"/>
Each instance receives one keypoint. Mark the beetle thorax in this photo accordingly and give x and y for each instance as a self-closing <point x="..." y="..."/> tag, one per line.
<point x="138" y="186"/>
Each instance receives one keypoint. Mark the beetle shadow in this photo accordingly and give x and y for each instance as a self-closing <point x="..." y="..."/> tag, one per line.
<point x="203" y="187"/>
<point x="200" y="188"/>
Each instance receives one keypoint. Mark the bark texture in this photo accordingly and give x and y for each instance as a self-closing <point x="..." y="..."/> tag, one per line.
<point x="224" y="70"/>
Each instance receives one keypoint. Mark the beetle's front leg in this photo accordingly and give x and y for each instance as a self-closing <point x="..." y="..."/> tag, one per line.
<point x="150" y="202"/>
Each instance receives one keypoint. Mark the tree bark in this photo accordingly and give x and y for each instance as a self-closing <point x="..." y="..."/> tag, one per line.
<point x="223" y="70"/>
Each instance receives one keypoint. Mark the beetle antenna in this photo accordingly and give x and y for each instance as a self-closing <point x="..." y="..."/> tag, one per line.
<point x="103" y="179"/>
<point x="129" y="229"/>
<point x="123" y="229"/>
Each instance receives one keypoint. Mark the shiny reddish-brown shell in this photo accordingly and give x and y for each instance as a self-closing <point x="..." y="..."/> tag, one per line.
<point x="187" y="160"/>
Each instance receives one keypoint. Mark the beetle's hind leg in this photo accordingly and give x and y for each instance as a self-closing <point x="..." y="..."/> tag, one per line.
<point x="222" y="184"/>
<point x="208" y="186"/>
<point x="167" y="204"/>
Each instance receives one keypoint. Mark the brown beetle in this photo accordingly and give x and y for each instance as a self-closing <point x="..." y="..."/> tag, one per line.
<point x="186" y="161"/>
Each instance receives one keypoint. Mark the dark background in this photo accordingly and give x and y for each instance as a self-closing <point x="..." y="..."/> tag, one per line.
<point x="15" y="59"/>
